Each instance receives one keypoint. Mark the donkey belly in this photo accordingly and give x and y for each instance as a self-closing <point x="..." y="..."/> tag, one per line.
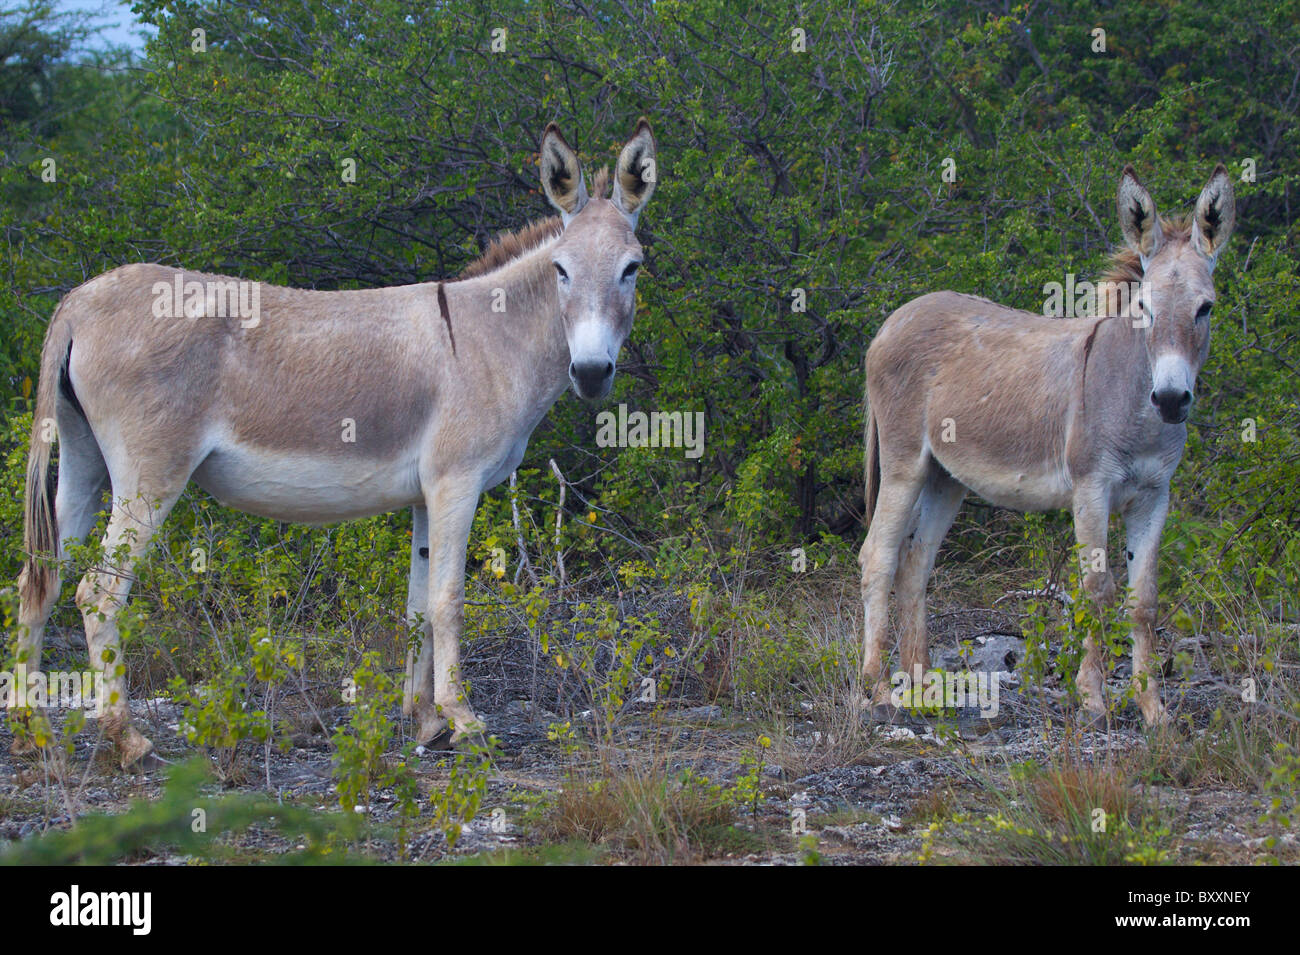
<point x="1022" y="489"/>
<point x="306" y="488"/>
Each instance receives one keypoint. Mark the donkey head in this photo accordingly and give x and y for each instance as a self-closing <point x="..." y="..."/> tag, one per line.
<point x="597" y="256"/>
<point x="1177" y="284"/>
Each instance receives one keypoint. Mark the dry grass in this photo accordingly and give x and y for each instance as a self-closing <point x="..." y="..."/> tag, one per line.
<point x="1072" y="811"/>
<point x="644" y="813"/>
<point x="1065" y="795"/>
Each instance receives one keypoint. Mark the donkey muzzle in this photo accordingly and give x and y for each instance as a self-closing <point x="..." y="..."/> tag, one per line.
<point x="1172" y="380"/>
<point x="1172" y="403"/>
<point x="592" y="379"/>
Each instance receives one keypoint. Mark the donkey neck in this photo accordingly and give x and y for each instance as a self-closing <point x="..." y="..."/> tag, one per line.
<point x="512" y="323"/>
<point x="1117" y="383"/>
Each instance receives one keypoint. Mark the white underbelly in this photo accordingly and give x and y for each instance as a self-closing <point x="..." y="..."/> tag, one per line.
<point x="1021" y="490"/>
<point x="305" y="488"/>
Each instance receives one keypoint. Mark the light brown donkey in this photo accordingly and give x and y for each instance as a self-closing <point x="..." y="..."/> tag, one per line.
<point x="325" y="406"/>
<point x="1036" y="413"/>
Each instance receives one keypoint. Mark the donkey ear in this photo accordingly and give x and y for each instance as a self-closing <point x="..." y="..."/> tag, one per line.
<point x="1216" y="214"/>
<point x="561" y="175"/>
<point x="636" y="173"/>
<point x="1138" y="219"/>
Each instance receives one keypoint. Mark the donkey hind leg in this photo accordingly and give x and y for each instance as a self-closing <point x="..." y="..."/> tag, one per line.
<point x="879" y="558"/>
<point x="419" y="656"/>
<point x="101" y="595"/>
<point x="933" y="515"/>
<point x="81" y="482"/>
<point x="1091" y="516"/>
<point x="1144" y="521"/>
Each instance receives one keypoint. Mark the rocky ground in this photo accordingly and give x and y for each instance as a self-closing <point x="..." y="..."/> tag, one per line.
<point x="815" y="798"/>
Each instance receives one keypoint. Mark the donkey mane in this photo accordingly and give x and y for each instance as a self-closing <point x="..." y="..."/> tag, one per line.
<point x="1125" y="265"/>
<point x="509" y="246"/>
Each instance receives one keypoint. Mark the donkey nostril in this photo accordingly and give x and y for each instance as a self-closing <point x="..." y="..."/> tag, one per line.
<point x="609" y="368"/>
<point x="1186" y="399"/>
<point x="1155" y="399"/>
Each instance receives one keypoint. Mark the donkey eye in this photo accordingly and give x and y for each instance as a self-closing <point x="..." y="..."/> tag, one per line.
<point x="1203" y="312"/>
<point x="630" y="272"/>
<point x="559" y="270"/>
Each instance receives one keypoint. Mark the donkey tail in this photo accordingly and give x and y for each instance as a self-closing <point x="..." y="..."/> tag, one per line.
<point x="40" y="527"/>
<point x="871" y="469"/>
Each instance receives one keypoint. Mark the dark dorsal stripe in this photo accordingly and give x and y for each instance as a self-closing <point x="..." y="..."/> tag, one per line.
<point x="1087" y="351"/>
<point x="446" y="315"/>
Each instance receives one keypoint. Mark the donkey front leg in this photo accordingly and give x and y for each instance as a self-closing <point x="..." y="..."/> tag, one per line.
<point x="1144" y="521"/>
<point x="1091" y="516"/>
<point x="451" y="505"/>
<point x="417" y="614"/>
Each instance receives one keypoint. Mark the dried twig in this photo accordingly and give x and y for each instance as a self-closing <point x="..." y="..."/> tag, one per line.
<point x="524" y="563"/>
<point x="559" y="520"/>
<point x="1052" y="591"/>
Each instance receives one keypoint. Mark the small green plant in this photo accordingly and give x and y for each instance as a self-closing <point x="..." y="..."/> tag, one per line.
<point x="1078" y="618"/>
<point x="218" y="716"/>
<point x="361" y="744"/>
<point x="460" y="800"/>
<point x="810" y="849"/>
<point x="747" y="791"/>
<point x="362" y="761"/>
<point x="1281" y="790"/>
<point x="566" y="736"/>
<point x="189" y="821"/>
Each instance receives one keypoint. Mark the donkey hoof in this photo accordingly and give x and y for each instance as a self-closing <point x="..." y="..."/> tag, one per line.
<point x="23" y="747"/>
<point x="1092" y="720"/>
<point x="434" y="733"/>
<point x="134" y="750"/>
<point x="438" y="742"/>
<point x="151" y="762"/>
<point x="470" y="735"/>
<point x="888" y="713"/>
<point x="1160" y="722"/>
<point x="29" y="727"/>
<point x="1155" y="714"/>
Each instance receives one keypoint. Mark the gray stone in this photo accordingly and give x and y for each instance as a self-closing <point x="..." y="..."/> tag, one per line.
<point x="705" y="713"/>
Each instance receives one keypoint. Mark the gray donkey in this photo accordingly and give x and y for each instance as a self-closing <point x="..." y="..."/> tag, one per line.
<point x="324" y="406"/>
<point x="1035" y="414"/>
